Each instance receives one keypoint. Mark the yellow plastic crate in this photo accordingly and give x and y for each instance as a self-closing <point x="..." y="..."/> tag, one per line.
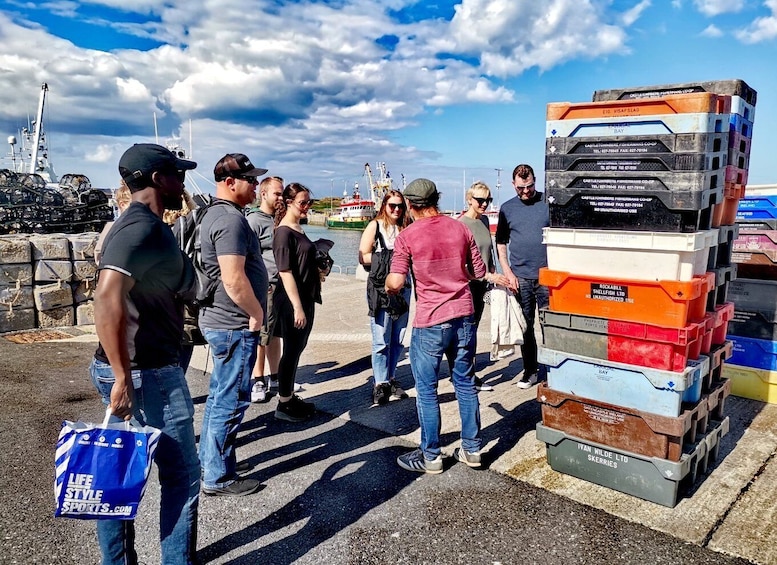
<point x="758" y="384"/>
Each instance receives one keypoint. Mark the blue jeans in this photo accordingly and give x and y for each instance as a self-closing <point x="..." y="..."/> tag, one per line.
<point x="387" y="347"/>
<point x="427" y="347"/>
<point x="162" y="400"/>
<point x="531" y="294"/>
<point x="234" y="355"/>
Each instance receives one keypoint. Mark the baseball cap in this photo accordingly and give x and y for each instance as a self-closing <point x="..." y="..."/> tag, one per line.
<point x="142" y="159"/>
<point x="236" y="164"/>
<point x="421" y="192"/>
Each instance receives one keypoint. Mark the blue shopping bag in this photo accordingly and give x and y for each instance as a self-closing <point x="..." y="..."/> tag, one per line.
<point x="102" y="469"/>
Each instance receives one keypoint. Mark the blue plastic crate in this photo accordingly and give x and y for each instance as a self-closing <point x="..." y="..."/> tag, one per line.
<point x="755" y="353"/>
<point x="632" y="386"/>
<point x="757" y="202"/>
<point x="765" y="213"/>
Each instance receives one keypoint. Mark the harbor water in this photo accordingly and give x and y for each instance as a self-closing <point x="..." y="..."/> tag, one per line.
<point x="345" y="252"/>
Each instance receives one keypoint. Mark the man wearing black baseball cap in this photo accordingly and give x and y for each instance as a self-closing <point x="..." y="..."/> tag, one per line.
<point x="141" y="160"/>
<point x="139" y="322"/>
<point x="231" y="321"/>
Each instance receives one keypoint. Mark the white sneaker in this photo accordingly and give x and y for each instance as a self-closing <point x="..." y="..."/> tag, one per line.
<point x="527" y="382"/>
<point x="258" y="392"/>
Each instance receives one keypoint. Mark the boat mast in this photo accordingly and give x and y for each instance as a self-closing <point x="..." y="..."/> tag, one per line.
<point x="38" y="129"/>
<point x="498" y="186"/>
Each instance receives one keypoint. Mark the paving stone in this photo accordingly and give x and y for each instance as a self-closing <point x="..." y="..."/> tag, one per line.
<point x="83" y="290"/>
<point x="82" y="245"/>
<point x="51" y="296"/>
<point x="57" y="317"/>
<point x="84" y="270"/>
<point x="12" y="297"/>
<point x="11" y="274"/>
<point x="53" y="270"/>
<point x="15" y="249"/>
<point x="54" y="246"/>
<point x="16" y="319"/>
<point x="85" y="313"/>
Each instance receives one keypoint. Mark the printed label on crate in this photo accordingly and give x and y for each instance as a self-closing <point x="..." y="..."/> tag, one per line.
<point x="602" y="456"/>
<point x="610" y="292"/>
<point x="603" y="415"/>
<point x="622" y="205"/>
<point x="620" y="147"/>
<point x="639" y="183"/>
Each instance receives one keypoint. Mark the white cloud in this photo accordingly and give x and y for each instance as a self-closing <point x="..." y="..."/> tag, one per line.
<point x="633" y="14"/>
<point x="763" y="28"/>
<point x="289" y="82"/>
<point x="717" y="7"/>
<point x="712" y="31"/>
<point x="511" y="36"/>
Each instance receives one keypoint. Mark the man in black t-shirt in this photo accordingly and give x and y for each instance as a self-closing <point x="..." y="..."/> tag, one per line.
<point x="139" y="322"/>
<point x="231" y="322"/>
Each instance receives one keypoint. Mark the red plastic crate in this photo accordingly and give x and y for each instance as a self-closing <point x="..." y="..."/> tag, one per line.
<point x="659" y="347"/>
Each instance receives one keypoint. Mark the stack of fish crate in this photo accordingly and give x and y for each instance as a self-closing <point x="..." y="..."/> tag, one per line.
<point x="753" y="331"/>
<point x="642" y="199"/>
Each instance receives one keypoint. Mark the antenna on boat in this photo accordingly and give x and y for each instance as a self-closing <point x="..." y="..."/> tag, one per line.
<point x="156" y="131"/>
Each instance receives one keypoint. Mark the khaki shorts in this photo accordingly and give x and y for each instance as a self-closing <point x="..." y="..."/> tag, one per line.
<point x="265" y="334"/>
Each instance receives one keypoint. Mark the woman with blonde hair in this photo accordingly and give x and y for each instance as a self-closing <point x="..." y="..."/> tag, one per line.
<point x="388" y="313"/>
<point x="478" y="198"/>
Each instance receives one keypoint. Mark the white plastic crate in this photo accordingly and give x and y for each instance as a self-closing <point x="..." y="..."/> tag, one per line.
<point x="631" y="255"/>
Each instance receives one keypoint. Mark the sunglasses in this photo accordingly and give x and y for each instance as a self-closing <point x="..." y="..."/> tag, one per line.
<point x="303" y="203"/>
<point x="527" y="187"/>
<point x="392" y="206"/>
<point x="248" y="179"/>
<point x="180" y="175"/>
<point x="483" y="201"/>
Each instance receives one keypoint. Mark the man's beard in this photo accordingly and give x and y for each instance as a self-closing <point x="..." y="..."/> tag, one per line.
<point x="172" y="201"/>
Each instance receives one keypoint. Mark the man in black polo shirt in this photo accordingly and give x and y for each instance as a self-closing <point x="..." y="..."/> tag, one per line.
<point x="139" y="321"/>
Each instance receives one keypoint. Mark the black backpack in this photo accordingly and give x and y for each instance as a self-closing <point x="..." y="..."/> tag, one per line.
<point x="377" y="298"/>
<point x="187" y="233"/>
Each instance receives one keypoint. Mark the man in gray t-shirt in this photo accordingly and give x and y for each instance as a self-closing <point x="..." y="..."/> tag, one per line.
<point x="231" y="322"/>
<point x="262" y="221"/>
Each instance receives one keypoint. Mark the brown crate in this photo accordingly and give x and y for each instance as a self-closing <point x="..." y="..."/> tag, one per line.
<point x="620" y="427"/>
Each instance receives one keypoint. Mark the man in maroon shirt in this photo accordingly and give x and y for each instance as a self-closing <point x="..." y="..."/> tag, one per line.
<point x="443" y="257"/>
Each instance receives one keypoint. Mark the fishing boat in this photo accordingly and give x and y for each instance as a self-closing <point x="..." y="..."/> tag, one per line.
<point x="356" y="211"/>
<point x="34" y="200"/>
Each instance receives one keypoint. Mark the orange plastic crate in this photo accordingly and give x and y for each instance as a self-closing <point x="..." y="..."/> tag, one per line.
<point x="698" y="102"/>
<point x="673" y="304"/>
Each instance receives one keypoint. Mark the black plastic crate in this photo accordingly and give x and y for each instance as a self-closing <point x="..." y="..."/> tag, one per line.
<point x="621" y="181"/>
<point x="680" y="212"/>
<point x="645" y="162"/>
<point x="732" y="87"/>
<point x="623" y="145"/>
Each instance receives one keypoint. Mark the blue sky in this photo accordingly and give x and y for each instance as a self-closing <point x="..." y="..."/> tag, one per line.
<point x="452" y="91"/>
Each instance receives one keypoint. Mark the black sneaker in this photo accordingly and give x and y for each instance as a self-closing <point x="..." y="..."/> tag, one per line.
<point x="295" y="410"/>
<point x="243" y="466"/>
<point x="241" y="487"/>
<point x="397" y="391"/>
<point x="381" y="394"/>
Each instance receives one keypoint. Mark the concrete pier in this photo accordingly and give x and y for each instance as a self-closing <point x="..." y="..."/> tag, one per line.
<point x="731" y="510"/>
<point x="333" y="493"/>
